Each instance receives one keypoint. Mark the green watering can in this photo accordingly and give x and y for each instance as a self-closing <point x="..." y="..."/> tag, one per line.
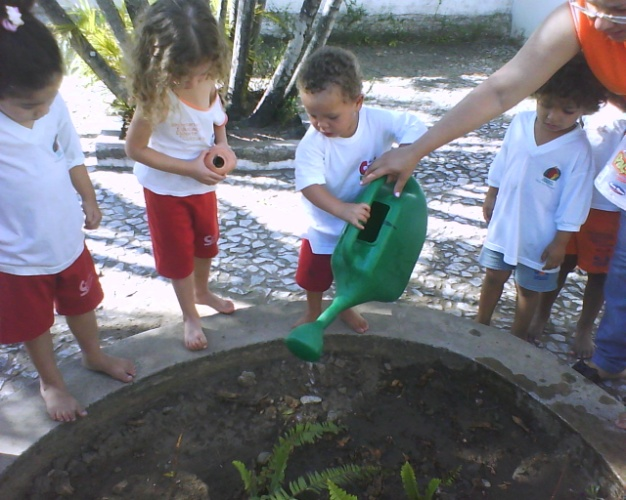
<point x="372" y="264"/>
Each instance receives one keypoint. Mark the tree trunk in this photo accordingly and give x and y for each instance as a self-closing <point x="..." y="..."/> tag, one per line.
<point x="273" y="98"/>
<point x="134" y="8"/>
<point x="112" y="15"/>
<point x="238" y="85"/>
<point x="85" y="50"/>
<point x="323" y="28"/>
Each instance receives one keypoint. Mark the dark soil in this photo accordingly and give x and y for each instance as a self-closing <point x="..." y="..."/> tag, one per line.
<point x="452" y="424"/>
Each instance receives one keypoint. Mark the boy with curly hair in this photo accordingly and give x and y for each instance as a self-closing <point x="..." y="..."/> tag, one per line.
<point x="345" y="137"/>
<point x="540" y="187"/>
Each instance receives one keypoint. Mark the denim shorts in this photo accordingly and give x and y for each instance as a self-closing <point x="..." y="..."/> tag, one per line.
<point x="526" y="277"/>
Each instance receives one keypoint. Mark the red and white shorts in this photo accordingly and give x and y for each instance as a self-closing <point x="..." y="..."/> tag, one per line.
<point x="314" y="272"/>
<point x="27" y="303"/>
<point x="182" y="228"/>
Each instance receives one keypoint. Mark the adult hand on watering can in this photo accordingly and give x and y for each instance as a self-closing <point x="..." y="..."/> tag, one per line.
<point x="220" y="159"/>
<point x="397" y="164"/>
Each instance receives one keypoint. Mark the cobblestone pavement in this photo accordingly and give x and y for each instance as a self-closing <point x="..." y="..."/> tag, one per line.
<point x="260" y="222"/>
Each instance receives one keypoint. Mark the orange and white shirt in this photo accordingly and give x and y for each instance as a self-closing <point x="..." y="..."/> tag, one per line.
<point x="184" y="134"/>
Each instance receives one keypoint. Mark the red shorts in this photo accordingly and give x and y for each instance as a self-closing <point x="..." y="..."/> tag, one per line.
<point x="595" y="242"/>
<point x="182" y="228"/>
<point x="314" y="272"/>
<point x="27" y="302"/>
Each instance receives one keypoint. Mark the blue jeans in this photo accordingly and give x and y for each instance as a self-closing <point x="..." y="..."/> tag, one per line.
<point x="610" y="354"/>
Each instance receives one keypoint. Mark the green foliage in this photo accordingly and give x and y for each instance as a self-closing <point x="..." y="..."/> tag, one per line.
<point x="336" y="493"/>
<point x="411" y="488"/>
<point x="592" y="492"/>
<point x="268" y="483"/>
<point x="93" y="25"/>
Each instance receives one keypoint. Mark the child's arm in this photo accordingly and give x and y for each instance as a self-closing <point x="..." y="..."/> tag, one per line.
<point x="490" y="202"/>
<point x="82" y="183"/>
<point x="356" y="214"/>
<point x="554" y="253"/>
<point x="137" y="148"/>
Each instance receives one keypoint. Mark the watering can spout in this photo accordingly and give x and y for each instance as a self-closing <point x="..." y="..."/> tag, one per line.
<point x="307" y="341"/>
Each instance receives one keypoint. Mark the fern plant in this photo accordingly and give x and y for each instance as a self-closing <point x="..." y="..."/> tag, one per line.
<point x="268" y="483"/>
<point x="411" y="488"/>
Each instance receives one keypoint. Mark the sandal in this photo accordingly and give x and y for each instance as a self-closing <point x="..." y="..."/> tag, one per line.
<point x="588" y="372"/>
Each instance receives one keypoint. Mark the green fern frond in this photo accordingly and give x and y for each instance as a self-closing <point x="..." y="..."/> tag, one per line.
<point x="409" y="482"/>
<point x="339" y="475"/>
<point x="431" y="489"/>
<point x="336" y="493"/>
<point x="299" y="435"/>
<point x="248" y="477"/>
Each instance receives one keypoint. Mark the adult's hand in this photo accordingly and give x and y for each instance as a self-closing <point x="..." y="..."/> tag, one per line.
<point x="397" y="164"/>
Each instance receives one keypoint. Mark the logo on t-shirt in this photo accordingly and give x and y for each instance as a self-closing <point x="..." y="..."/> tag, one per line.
<point x="209" y="240"/>
<point x="365" y="164"/>
<point x="551" y="175"/>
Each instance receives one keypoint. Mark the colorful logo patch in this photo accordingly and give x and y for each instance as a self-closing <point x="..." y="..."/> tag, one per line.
<point x="619" y="163"/>
<point x="553" y="173"/>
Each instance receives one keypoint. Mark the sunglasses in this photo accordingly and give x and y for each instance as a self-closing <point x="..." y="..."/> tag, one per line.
<point x="594" y="13"/>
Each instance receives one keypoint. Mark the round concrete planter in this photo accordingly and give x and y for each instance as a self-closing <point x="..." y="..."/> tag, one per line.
<point x="558" y="397"/>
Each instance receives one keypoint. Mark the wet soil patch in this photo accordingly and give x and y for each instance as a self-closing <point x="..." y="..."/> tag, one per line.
<point x="175" y="435"/>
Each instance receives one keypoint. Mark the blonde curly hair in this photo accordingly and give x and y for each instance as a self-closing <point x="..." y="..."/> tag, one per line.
<point x="173" y="37"/>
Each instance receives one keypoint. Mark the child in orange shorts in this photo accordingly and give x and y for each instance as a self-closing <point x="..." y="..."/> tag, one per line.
<point x="590" y="249"/>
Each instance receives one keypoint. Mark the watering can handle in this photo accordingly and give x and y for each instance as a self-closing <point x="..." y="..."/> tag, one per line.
<point x="350" y="232"/>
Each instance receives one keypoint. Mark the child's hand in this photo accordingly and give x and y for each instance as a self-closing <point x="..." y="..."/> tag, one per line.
<point x="93" y="216"/>
<point x="356" y="214"/>
<point x="489" y="204"/>
<point x="553" y="255"/>
<point x="200" y="172"/>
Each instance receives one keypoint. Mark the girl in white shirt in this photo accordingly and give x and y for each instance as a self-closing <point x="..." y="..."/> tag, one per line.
<point x="179" y="57"/>
<point x="44" y="263"/>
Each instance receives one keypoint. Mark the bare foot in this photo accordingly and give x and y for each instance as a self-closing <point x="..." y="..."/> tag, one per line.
<point x="307" y="317"/>
<point x="582" y="345"/>
<point x="193" y="336"/>
<point x="208" y="298"/>
<point x="621" y="421"/>
<point x="118" y="368"/>
<point x="60" y="404"/>
<point x="354" y="320"/>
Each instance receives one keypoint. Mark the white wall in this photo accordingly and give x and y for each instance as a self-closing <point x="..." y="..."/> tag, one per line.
<point x="408" y="7"/>
<point x="528" y="14"/>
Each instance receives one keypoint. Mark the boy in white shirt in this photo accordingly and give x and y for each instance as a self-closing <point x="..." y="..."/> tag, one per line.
<point x="540" y="187"/>
<point x="345" y="137"/>
<point x="592" y="248"/>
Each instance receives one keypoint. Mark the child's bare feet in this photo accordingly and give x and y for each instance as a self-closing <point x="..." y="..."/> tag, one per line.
<point x="307" y="317"/>
<point x="354" y="320"/>
<point x="118" y="368"/>
<point x="207" y="298"/>
<point x="193" y="336"/>
<point x="582" y="345"/>
<point x="60" y="404"/>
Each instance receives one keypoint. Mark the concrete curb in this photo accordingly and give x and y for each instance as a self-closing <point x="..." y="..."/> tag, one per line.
<point x="560" y="394"/>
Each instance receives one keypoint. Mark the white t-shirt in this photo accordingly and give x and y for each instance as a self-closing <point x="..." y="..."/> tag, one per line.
<point x="542" y="190"/>
<point x="339" y="163"/>
<point x="604" y="140"/>
<point x="41" y="218"/>
<point x="184" y="134"/>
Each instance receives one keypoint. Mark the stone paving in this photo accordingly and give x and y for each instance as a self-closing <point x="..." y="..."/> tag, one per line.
<point x="261" y="219"/>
